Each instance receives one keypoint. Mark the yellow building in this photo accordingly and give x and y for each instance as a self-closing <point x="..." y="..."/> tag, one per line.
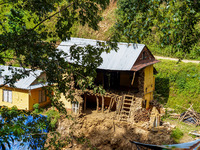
<point x="26" y="91"/>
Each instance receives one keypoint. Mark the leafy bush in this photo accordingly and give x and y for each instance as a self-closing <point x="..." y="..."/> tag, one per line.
<point x="176" y="134"/>
<point x="36" y="108"/>
<point x="52" y="117"/>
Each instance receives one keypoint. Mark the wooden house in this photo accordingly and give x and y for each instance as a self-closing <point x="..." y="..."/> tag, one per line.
<point x="125" y="74"/>
<point x="26" y="91"/>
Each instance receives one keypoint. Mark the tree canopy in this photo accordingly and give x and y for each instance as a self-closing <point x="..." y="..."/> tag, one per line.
<point x="29" y="32"/>
<point x="26" y="39"/>
<point x="167" y="22"/>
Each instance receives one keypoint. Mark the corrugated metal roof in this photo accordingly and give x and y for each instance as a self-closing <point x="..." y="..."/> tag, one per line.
<point x="23" y="83"/>
<point x="123" y="59"/>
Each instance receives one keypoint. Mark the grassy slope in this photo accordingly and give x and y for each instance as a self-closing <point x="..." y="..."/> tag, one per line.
<point x="178" y="85"/>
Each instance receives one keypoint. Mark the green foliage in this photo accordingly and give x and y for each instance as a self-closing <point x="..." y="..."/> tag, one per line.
<point x="176" y="134"/>
<point x="36" y="108"/>
<point x="25" y="32"/>
<point x="165" y="23"/>
<point x="52" y="117"/>
<point x="178" y="84"/>
<point x="26" y="39"/>
<point x="12" y="123"/>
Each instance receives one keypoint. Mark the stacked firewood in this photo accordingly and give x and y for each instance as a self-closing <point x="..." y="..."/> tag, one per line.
<point x="190" y="116"/>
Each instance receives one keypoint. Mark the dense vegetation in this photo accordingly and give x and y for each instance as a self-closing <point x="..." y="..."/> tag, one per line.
<point x="170" y="31"/>
<point x="27" y="39"/>
<point x="177" y="85"/>
<point x="170" y="27"/>
<point x="171" y="23"/>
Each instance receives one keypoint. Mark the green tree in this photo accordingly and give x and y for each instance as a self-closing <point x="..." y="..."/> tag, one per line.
<point x="167" y="22"/>
<point x="26" y="40"/>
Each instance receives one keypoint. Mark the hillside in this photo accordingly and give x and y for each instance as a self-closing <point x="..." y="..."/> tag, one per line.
<point x="106" y="31"/>
<point x="105" y="26"/>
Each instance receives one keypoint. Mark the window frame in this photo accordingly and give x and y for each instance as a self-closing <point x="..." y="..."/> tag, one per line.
<point x="75" y="107"/>
<point x="9" y="96"/>
<point x="42" y="96"/>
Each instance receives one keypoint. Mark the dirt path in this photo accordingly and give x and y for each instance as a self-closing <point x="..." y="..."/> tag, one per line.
<point x="176" y="59"/>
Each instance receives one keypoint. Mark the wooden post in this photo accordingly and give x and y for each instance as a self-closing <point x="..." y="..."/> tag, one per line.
<point x="114" y="100"/>
<point x="133" y="79"/>
<point x="97" y="103"/>
<point x="85" y="102"/>
<point x="110" y="104"/>
<point x="102" y="104"/>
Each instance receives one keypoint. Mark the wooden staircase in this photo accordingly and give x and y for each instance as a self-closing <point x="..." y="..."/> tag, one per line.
<point x="126" y="107"/>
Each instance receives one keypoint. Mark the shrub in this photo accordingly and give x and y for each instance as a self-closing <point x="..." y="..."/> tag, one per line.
<point x="177" y="134"/>
<point x="36" y="108"/>
<point x="52" y="117"/>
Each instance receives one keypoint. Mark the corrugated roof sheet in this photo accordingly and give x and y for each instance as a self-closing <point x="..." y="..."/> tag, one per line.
<point x="23" y="83"/>
<point x="123" y="59"/>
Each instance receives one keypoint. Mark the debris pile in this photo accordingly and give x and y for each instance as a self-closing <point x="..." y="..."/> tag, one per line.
<point x="190" y="116"/>
<point x="102" y="131"/>
<point x="141" y="115"/>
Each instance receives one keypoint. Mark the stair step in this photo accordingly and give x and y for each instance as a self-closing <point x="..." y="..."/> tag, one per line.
<point x="127" y="103"/>
<point x="126" y="108"/>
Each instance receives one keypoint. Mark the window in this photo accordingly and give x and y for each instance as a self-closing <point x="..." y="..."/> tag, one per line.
<point x="42" y="96"/>
<point x="7" y="96"/>
<point x="75" y="107"/>
<point x="144" y="55"/>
